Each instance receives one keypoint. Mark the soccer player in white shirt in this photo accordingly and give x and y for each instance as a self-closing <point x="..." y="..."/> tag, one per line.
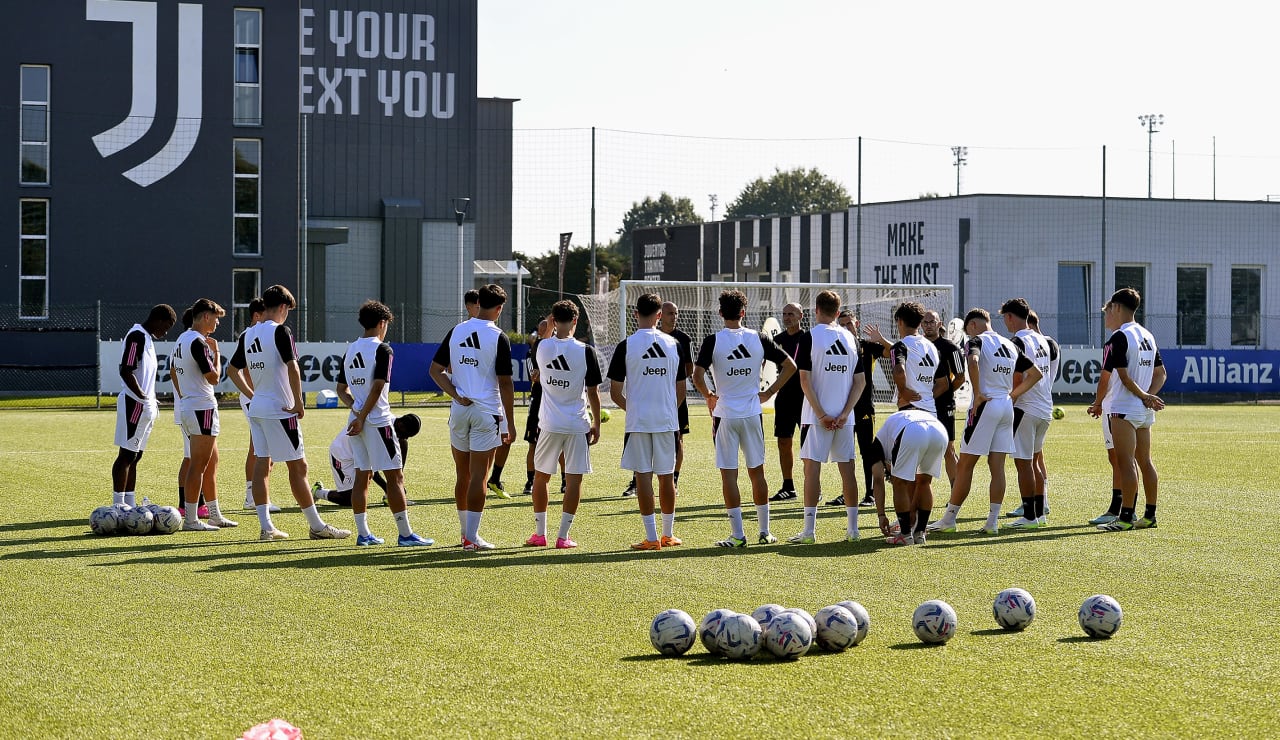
<point x="479" y="355"/>
<point x="274" y="386"/>
<point x="647" y="376"/>
<point x="917" y="372"/>
<point x="256" y="309"/>
<point x="1055" y="355"/>
<point x="1031" y="413"/>
<point x="1131" y="404"/>
<point x="197" y="367"/>
<point x="202" y="511"/>
<point x="136" y="406"/>
<point x="832" y="384"/>
<point x="912" y="444"/>
<point x="995" y="365"/>
<point x="568" y="422"/>
<point x="363" y="382"/>
<point x="735" y="355"/>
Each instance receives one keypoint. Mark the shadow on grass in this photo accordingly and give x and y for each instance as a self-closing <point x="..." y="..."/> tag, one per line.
<point x="917" y="645"/>
<point x="993" y="632"/>
<point x="1081" y="638"/>
<point x="975" y="539"/>
<point x="28" y="526"/>
<point x="657" y="657"/>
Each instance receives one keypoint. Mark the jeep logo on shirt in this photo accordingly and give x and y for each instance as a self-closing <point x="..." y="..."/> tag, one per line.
<point x="836" y="368"/>
<point x="654" y="371"/>
<point x="473" y="362"/>
<point x="557" y="382"/>
<point x="357" y="381"/>
<point x="738" y="371"/>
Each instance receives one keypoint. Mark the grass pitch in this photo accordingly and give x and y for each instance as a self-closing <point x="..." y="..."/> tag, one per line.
<point x="207" y="634"/>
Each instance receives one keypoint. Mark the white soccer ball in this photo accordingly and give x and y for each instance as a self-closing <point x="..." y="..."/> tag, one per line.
<point x="1014" y="609"/>
<point x="837" y="628"/>
<point x="788" y="635"/>
<point x="105" y="520"/>
<point x="708" y="626"/>
<point x="167" y="521"/>
<point x="765" y="613"/>
<point x="934" y="621"/>
<point x="807" y="617"/>
<point x="138" y="521"/>
<point x="860" y="614"/>
<point x="1100" y="616"/>
<point x="738" y="637"/>
<point x="672" y="632"/>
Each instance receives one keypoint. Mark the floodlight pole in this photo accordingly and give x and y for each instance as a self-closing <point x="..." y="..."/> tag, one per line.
<point x="460" y="208"/>
<point x="1150" y="121"/>
<point x="961" y="153"/>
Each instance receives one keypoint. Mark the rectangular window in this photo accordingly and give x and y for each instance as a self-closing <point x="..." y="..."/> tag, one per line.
<point x="247" y="104"/>
<point x="1076" y="312"/>
<point x="245" y="286"/>
<point x="246" y="199"/>
<point x="33" y="126"/>
<point x="1193" y="306"/>
<point x="1134" y="276"/>
<point x="33" y="259"/>
<point x="1246" y="306"/>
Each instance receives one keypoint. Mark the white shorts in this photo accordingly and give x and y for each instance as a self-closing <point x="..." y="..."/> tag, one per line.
<point x="1141" y="420"/>
<point x="134" y="421"/>
<point x="344" y="472"/>
<point x="278" y="439"/>
<point x="730" y="435"/>
<point x="824" y="445"/>
<point x="1106" y="433"/>
<point x="989" y="428"/>
<point x="649" y="452"/>
<point x="577" y="456"/>
<point x="919" y="449"/>
<point x="1028" y="435"/>
<point x="198" y="423"/>
<point x="376" y="448"/>
<point x="473" y="430"/>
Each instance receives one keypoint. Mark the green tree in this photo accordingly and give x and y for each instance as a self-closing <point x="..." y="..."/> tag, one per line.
<point x="789" y="193"/>
<point x="665" y="211"/>
<point x="544" y="269"/>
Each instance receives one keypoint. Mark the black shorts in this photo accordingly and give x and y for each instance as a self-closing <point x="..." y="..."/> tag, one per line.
<point x="786" y="417"/>
<point x="683" y="414"/>
<point x="948" y="419"/>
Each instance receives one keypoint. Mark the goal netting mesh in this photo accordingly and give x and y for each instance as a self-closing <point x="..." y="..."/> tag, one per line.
<point x="612" y="314"/>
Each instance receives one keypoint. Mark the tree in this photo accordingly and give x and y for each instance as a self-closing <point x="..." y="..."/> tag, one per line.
<point x="665" y="211"/>
<point x="789" y="193"/>
<point x="544" y="269"/>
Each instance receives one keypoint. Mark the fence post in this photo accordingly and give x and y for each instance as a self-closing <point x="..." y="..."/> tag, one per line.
<point x="97" y="342"/>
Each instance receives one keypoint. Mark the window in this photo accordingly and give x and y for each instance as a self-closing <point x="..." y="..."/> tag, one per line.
<point x="247" y="207"/>
<point x="245" y="286"/>
<point x="33" y="260"/>
<point x="1134" y="276"/>
<point x="1076" y="312"/>
<point x="1246" y="305"/>
<point x="1193" y="306"/>
<point x="33" y="136"/>
<point x="247" y="106"/>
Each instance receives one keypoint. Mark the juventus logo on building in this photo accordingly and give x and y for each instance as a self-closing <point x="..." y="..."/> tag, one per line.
<point x="740" y="353"/>
<point x="142" y="108"/>
<point x="1004" y="352"/>
<point x="255" y="345"/>
<point x="838" y="349"/>
<point x="560" y="363"/>
<point x="472" y="342"/>
<point x="357" y="362"/>
<point x="654" y="352"/>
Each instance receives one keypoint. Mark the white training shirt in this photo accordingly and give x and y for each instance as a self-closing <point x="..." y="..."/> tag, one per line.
<point x="922" y="365"/>
<point x="265" y="350"/>
<point x="829" y="353"/>
<point x="190" y="360"/>
<point x="477" y="353"/>
<point x="368" y="359"/>
<point x="998" y="358"/>
<point x="566" y="368"/>
<point x="1133" y="348"/>
<point x="651" y="363"/>
<point x="138" y="354"/>
<point x="1038" y="402"/>
<point x="734" y="357"/>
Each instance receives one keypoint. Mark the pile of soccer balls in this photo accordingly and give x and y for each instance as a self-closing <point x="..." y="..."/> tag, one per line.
<point x="146" y="518"/>
<point x="789" y="633"/>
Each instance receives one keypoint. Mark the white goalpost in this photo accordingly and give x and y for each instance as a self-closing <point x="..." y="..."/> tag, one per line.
<point x="612" y="314"/>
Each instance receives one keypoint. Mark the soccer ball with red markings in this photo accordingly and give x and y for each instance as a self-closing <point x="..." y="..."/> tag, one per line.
<point x="1014" y="609"/>
<point x="934" y="622"/>
<point x="1100" y="616"/>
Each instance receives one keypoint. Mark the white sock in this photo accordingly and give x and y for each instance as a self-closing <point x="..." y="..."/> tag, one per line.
<point x="462" y="522"/>
<point x="473" y="525"/>
<point x="810" y="520"/>
<point x="130" y="498"/>
<point x="402" y="523"/>
<point x="117" y="497"/>
<point x="650" y="527"/>
<point x="313" y="517"/>
<point x="762" y="516"/>
<point x="190" y="514"/>
<point x="320" y="494"/>
<point x="248" y="490"/>
<point x="540" y="523"/>
<point x="362" y="524"/>
<point x="951" y="513"/>
<point x="993" y="518"/>
<point x="264" y="517"/>
<point x="669" y="525"/>
<point x="566" y="521"/>
<point x="735" y="523"/>
<point x="851" y="515"/>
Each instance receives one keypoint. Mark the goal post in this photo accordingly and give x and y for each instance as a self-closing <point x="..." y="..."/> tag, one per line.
<point x="612" y="315"/>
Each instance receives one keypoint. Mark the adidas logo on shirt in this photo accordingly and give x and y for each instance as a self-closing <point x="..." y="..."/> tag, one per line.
<point x="837" y="349"/>
<point x="740" y="353"/>
<point x="357" y="363"/>
<point x="1003" y="351"/>
<point x="560" y="363"/>
<point x="255" y="346"/>
<point x="1145" y="345"/>
<point x="471" y="342"/>
<point x="654" y="352"/>
<point x="927" y="361"/>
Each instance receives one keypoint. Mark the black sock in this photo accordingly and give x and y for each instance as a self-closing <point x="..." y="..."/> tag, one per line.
<point x="182" y="497"/>
<point x="922" y="519"/>
<point x="201" y="502"/>
<point x="530" y="479"/>
<point x="1029" y="508"/>
<point x="788" y="484"/>
<point x="904" y="521"/>
<point x="676" y="478"/>
<point x="1126" y="513"/>
<point x="1116" y="499"/>
<point x="1150" y="512"/>
<point x="496" y="477"/>
<point x="1039" y="504"/>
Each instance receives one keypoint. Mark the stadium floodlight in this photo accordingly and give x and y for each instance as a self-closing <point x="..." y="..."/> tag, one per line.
<point x="1150" y="121"/>
<point x="961" y="153"/>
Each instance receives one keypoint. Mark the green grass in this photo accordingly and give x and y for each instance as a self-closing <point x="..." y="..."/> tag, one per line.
<point x="204" y="635"/>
